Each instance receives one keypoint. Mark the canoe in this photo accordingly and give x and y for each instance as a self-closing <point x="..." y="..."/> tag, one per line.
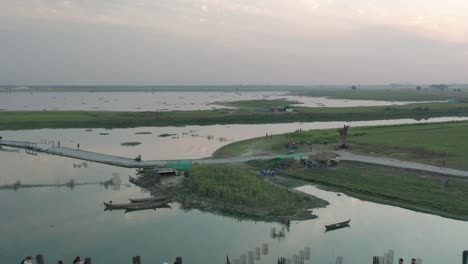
<point x="136" y="205"/>
<point x="133" y="180"/>
<point x="151" y="206"/>
<point x="337" y="225"/>
<point x="149" y="199"/>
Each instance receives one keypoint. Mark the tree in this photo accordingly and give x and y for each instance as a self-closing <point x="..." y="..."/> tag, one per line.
<point x="353" y="87"/>
<point x="441" y="87"/>
<point x="418" y="88"/>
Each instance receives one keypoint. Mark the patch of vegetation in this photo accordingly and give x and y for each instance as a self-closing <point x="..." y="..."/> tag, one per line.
<point x="419" y="191"/>
<point x="259" y="105"/>
<point x="388" y="94"/>
<point x="238" y="191"/>
<point x="277" y="143"/>
<point x="427" y="143"/>
<point x="143" y="133"/>
<point x="167" y="135"/>
<point x="130" y="144"/>
<point x="10" y="120"/>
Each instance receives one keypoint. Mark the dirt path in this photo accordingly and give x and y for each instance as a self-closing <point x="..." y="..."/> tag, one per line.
<point x="131" y="163"/>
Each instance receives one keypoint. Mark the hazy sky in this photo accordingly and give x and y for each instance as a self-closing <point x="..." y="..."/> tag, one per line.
<point x="182" y="42"/>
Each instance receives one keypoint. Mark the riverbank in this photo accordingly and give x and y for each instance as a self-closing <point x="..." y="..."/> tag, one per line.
<point x="238" y="192"/>
<point x="16" y="120"/>
<point x="414" y="190"/>
<point x="388" y="93"/>
<point x="425" y="143"/>
<point x="233" y="191"/>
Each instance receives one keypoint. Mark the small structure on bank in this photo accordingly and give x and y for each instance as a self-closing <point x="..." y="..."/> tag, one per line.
<point x="343" y="139"/>
<point x="287" y="109"/>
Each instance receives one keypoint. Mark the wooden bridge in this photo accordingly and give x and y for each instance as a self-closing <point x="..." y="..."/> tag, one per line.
<point x="51" y="148"/>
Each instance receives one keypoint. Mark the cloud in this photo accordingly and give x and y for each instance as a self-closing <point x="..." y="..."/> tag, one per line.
<point x="225" y="41"/>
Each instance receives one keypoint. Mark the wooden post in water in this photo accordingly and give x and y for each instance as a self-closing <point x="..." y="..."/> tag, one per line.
<point x="40" y="259"/>
<point x="339" y="260"/>
<point x="136" y="260"/>
<point x="257" y="253"/>
<point x="87" y="261"/>
<point x="307" y="253"/>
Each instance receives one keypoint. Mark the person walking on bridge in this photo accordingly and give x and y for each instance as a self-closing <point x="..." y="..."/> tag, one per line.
<point x="78" y="260"/>
<point x="27" y="260"/>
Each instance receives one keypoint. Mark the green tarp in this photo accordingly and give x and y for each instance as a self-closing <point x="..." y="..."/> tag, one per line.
<point x="181" y="164"/>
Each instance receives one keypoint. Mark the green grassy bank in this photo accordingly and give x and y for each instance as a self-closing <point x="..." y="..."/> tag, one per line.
<point x="418" y="191"/>
<point x="388" y="94"/>
<point x="425" y="143"/>
<point x="239" y="192"/>
<point x="15" y="120"/>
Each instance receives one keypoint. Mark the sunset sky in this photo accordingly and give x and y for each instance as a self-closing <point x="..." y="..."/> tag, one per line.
<point x="196" y="42"/>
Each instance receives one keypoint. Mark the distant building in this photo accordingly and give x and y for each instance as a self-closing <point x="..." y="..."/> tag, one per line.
<point x="287" y="109"/>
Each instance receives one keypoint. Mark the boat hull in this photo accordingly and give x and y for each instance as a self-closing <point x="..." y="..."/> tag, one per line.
<point x="337" y="225"/>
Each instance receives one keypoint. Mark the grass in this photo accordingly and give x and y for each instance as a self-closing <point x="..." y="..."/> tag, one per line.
<point x="410" y="189"/>
<point x="425" y="143"/>
<point x="277" y="143"/>
<point x="15" y="120"/>
<point x="387" y="94"/>
<point x="240" y="192"/>
<point x="259" y="105"/>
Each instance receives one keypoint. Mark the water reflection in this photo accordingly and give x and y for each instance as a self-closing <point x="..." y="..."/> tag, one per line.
<point x="64" y="222"/>
<point x="188" y="142"/>
<point x="158" y="101"/>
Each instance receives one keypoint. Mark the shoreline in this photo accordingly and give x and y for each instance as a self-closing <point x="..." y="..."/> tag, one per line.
<point x="21" y="120"/>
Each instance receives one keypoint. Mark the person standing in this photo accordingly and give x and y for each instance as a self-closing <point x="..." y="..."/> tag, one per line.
<point x="78" y="260"/>
<point x="78" y="146"/>
<point x="58" y="143"/>
<point x="27" y="260"/>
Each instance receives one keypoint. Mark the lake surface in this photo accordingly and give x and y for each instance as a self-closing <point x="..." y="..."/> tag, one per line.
<point x="158" y="101"/>
<point x="64" y="222"/>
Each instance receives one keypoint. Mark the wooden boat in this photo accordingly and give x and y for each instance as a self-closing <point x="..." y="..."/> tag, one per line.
<point x="140" y="206"/>
<point x="133" y="180"/>
<point x="147" y="208"/>
<point x="149" y="199"/>
<point x="337" y="225"/>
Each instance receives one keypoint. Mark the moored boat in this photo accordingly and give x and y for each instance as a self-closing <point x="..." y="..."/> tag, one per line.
<point x="147" y="207"/>
<point x="337" y="225"/>
<point x="149" y="199"/>
<point x="137" y="206"/>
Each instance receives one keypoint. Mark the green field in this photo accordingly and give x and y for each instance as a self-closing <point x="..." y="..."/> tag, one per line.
<point x="410" y="189"/>
<point x="388" y="94"/>
<point x="14" y="120"/>
<point x="240" y="192"/>
<point x="425" y="143"/>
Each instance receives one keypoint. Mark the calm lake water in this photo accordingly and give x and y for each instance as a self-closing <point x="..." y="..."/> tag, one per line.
<point x="63" y="222"/>
<point x="157" y="101"/>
